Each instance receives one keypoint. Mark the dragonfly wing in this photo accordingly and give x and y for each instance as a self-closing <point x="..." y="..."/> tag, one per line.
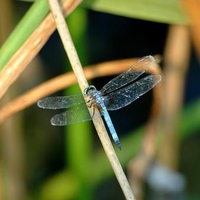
<point x="75" y="114"/>
<point x="60" y="102"/>
<point x="124" y="96"/>
<point x="128" y="76"/>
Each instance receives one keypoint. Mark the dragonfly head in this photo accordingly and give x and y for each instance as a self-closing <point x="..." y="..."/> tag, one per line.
<point x="89" y="89"/>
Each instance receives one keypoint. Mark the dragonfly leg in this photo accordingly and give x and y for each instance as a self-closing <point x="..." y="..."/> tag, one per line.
<point x="89" y="103"/>
<point x="93" y="111"/>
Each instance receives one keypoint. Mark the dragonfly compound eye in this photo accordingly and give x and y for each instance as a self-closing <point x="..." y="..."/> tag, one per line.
<point x="88" y="90"/>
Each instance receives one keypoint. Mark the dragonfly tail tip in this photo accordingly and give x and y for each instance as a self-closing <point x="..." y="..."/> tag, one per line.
<point x="119" y="146"/>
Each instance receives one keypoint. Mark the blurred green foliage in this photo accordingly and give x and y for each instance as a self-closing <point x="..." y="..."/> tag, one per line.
<point x="152" y="10"/>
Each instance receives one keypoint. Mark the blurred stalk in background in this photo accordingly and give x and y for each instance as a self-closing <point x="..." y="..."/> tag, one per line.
<point x="12" y="175"/>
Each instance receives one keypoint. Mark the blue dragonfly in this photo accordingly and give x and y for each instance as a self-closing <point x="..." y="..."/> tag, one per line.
<point x="116" y="94"/>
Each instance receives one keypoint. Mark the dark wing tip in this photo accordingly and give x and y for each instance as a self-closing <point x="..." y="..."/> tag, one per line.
<point x="157" y="78"/>
<point x="58" y="120"/>
<point x="40" y="104"/>
<point x="148" y="57"/>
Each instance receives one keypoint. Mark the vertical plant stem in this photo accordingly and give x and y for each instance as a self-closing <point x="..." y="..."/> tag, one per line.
<point x="176" y="62"/>
<point x="12" y="183"/>
<point x="98" y="122"/>
<point x="68" y="43"/>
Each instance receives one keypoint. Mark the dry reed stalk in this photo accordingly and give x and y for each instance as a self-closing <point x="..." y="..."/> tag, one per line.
<point x="191" y="8"/>
<point x="97" y="120"/>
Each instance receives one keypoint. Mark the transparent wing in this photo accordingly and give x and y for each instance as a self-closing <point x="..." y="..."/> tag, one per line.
<point x="60" y="102"/>
<point x="75" y="114"/>
<point x="124" y="96"/>
<point x="128" y="76"/>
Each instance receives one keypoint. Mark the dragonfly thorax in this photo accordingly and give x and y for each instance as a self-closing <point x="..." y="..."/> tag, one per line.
<point x="95" y="97"/>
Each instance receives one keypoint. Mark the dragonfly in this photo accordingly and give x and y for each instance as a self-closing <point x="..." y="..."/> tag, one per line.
<point x="117" y="93"/>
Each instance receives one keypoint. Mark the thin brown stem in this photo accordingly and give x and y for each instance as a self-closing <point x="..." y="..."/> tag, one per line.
<point x="98" y="122"/>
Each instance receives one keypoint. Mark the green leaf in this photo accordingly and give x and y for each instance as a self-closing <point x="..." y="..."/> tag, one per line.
<point x="24" y="29"/>
<point x="152" y="10"/>
<point x="62" y="186"/>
